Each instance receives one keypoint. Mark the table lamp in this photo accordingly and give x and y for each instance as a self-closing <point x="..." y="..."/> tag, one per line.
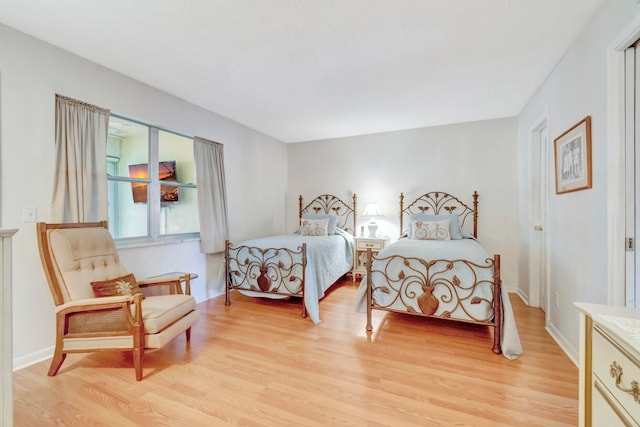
<point x="372" y="210"/>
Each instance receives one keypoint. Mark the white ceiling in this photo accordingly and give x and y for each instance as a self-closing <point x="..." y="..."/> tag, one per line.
<point x="302" y="70"/>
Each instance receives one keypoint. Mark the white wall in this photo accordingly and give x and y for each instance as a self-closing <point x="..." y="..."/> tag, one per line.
<point x="31" y="73"/>
<point x="577" y="225"/>
<point x="457" y="159"/>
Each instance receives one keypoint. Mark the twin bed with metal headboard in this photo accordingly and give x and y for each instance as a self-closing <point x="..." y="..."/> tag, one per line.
<point x="437" y="268"/>
<point x="304" y="264"/>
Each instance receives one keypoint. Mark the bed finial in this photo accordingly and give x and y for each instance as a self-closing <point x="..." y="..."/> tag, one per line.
<point x="401" y="211"/>
<point x="300" y="210"/>
<point x="475" y="214"/>
<point x="354" y="198"/>
<point x="497" y="303"/>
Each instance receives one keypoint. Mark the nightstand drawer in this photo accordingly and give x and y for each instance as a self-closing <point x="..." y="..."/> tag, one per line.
<point x="611" y="365"/>
<point x="376" y="245"/>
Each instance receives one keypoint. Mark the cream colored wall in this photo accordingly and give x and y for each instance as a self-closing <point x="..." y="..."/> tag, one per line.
<point x="31" y="73"/>
<point x="459" y="159"/>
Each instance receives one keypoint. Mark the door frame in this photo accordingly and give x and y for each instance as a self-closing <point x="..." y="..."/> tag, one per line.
<point x="616" y="174"/>
<point x="539" y="170"/>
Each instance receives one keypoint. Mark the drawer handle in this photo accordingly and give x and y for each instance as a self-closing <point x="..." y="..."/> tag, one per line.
<point x="616" y="372"/>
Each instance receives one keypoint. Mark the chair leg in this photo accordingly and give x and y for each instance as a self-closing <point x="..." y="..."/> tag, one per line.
<point x="58" y="354"/>
<point x="56" y="362"/>
<point x="188" y="332"/>
<point x="138" y="361"/>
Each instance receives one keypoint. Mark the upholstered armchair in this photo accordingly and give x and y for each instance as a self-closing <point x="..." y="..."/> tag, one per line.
<point x="99" y="304"/>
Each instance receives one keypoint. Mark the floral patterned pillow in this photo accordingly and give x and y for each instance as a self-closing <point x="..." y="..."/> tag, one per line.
<point x="314" y="227"/>
<point x="431" y="230"/>
<point x="125" y="285"/>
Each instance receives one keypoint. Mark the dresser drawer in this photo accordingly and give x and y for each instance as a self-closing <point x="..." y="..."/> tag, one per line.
<point x="375" y="245"/>
<point x="611" y="364"/>
<point x="605" y="412"/>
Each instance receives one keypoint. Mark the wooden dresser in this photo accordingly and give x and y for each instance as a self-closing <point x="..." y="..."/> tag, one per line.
<point x="609" y="366"/>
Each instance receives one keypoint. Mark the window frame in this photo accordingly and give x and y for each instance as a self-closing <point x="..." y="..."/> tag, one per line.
<point x="153" y="236"/>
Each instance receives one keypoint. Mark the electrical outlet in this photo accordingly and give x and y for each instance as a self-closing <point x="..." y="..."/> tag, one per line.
<point x="557" y="295"/>
<point x="29" y="214"/>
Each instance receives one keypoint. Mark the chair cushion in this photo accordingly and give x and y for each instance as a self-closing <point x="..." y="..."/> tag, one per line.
<point x="160" y="311"/>
<point x="125" y="285"/>
<point x="81" y="256"/>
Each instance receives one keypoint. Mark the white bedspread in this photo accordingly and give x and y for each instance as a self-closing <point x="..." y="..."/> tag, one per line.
<point x="328" y="259"/>
<point x="467" y="249"/>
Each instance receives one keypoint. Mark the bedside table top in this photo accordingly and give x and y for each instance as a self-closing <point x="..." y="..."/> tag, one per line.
<point x="377" y="238"/>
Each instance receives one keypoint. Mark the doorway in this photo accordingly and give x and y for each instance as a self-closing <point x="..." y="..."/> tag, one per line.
<point x="538" y="256"/>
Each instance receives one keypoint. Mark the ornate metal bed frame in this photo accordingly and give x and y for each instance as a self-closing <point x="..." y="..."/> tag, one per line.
<point x="436" y="201"/>
<point x="431" y="275"/>
<point x="281" y="271"/>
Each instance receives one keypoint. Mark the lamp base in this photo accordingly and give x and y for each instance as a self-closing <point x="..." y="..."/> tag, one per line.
<point x="373" y="228"/>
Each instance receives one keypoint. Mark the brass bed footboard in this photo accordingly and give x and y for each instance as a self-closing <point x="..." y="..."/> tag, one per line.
<point x="279" y="271"/>
<point x="458" y="290"/>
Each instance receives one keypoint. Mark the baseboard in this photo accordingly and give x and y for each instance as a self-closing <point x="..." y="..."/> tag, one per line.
<point x="557" y="336"/>
<point x="565" y="345"/>
<point x="510" y="289"/>
<point x="522" y="296"/>
<point x="215" y="294"/>
<point x="33" y="358"/>
<point x="211" y="295"/>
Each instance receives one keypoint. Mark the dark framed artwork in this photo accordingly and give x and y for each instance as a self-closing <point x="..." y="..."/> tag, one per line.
<point x="572" y="152"/>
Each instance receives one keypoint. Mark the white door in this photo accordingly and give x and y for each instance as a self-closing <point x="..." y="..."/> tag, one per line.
<point x="539" y="284"/>
<point x="632" y="184"/>
<point x="634" y="294"/>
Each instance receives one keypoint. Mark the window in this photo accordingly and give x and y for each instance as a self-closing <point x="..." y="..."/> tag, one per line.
<point x="151" y="183"/>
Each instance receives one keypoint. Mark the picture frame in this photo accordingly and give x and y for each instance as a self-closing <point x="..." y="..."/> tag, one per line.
<point x="572" y="153"/>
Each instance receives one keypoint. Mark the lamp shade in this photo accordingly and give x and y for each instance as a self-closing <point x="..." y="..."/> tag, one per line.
<point x="372" y="210"/>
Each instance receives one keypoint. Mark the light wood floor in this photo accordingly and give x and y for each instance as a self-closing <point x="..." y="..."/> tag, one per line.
<point x="257" y="363"/>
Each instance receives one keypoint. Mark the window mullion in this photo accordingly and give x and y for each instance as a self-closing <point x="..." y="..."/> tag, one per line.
<point x="154" y="196"/>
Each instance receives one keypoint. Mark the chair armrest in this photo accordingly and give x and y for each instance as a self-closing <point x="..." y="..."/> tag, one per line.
<point x="95" y="303"/>
<point x="103" y="304"/>
<point x="174" y="283"/>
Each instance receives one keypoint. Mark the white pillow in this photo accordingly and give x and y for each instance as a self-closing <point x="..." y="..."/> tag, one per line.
<point x="430" y="230"/>
<point x="333" y="221"/>
<point x="314" y="227"/>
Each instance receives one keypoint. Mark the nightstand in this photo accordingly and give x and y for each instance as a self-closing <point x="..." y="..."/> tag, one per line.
<point x="361" y="245"/>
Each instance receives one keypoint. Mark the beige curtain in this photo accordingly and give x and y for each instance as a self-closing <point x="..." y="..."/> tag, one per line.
<point x="212" y="196"/>
<point x="80" y="179"/>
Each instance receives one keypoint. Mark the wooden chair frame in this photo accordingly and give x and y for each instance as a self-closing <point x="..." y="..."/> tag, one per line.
<point x="100" y="317"/>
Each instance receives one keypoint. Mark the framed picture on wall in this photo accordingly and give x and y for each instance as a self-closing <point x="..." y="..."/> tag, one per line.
<point x="573" y="158"/>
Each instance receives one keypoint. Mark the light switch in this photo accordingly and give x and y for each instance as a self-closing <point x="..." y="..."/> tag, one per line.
<point x="29" y="214"/>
